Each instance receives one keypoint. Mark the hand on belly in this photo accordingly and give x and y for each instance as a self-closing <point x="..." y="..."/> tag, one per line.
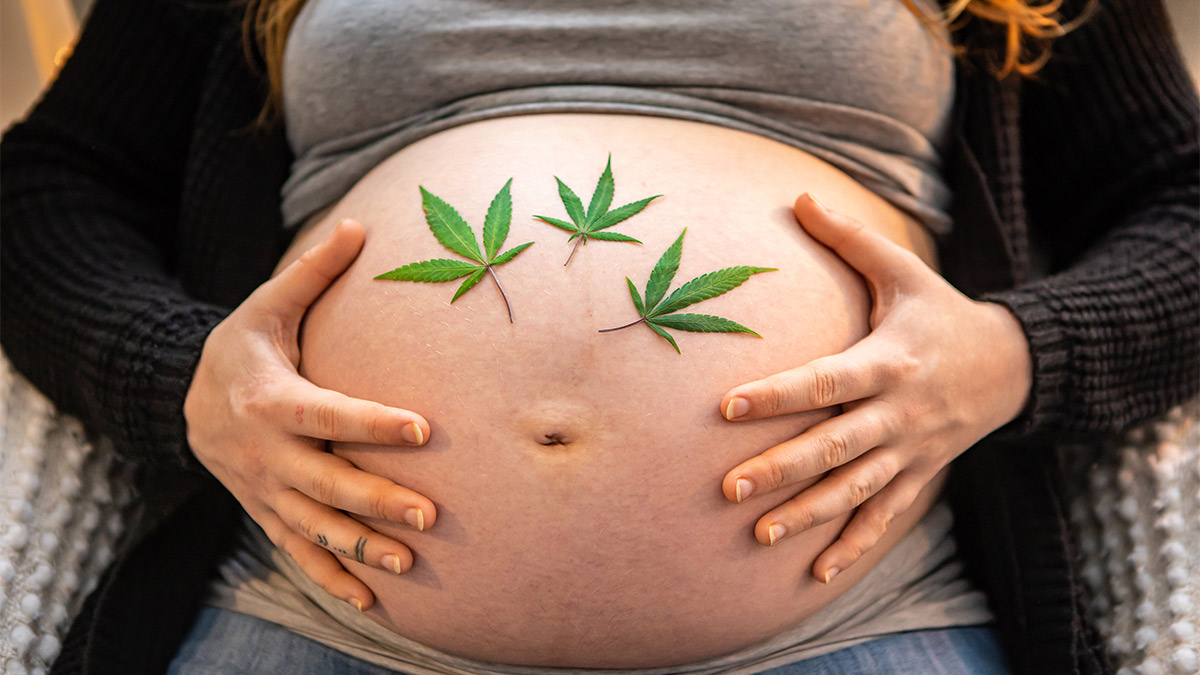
<point x="577" y="476"/>
<point x="938" y="372"/>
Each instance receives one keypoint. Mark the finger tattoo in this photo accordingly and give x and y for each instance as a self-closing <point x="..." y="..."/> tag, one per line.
<point x="322" y="540"/>
<point x="360" y="548"/>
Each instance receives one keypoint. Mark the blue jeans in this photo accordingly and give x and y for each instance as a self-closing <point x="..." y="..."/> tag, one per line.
<point x="223" y="641"/>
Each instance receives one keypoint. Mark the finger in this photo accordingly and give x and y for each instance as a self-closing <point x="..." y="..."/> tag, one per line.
<point x="340" y="534"/>
<point x="876" y="257"/>
<point x="300" y="283"/>
<point x="825" y="446"/>
<point x="867" y="526"/>
<point x="839" y="493"/>
<point x="335" y="482"/>
<point x="854" y="374"/>
<point x="332" y="416"/>
<point x="317" y="563"/>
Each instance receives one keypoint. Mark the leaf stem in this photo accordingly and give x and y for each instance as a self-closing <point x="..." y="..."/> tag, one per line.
<point x="573" y="249"/>
<point x="502" y="293"/>
<point x="628" y="325"/>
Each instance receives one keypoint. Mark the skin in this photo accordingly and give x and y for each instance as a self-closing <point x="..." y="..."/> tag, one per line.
<point x="261" y="429"/>
<point x="247" y="389"/>
<point x="938" y="372"/>
<point x="571" y="470"/>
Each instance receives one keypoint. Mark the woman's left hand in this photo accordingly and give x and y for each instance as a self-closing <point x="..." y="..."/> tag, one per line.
<point x="937" y="372"/>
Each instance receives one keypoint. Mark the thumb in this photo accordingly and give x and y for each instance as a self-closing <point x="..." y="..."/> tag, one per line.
<point x="303" y="281"/>
<point x="881" y="261"/>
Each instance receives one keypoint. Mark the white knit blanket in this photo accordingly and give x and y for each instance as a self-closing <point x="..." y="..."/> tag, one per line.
<point x="63" y="498"/>
<point x="1137" y="513"/>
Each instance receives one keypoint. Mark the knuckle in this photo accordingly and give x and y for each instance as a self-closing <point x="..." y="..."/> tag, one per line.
<point x="887" y="467"/>
<point x="903" y="366"/>
<point x="327" y="423"/>
<point x="859" y="489"/>
<point x="381" y="425"/>
<point x="774" y="396"/>
<point x="855" y="547"/>
<point x="834" y="447"/>
<point x="823" y="387"/>
<point x="375" y="428"/>
<point x="879" y="423"/>
<point x="803" y="517"/>
<point x="325" y="486"/>
<point x="253" y="400"/>
<point x="875" y="523"/>
<point x="776" y="471"/>
<point x="316" y="264"/>
<point x="253" y="469"/>
<point x="882" y="520"/>
<point x="307" y="258"/>
<point x="306" y="526"/>
<point x="377" y="502"/>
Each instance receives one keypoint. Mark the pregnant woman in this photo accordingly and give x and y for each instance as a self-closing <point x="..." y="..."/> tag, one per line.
<point x="567" y="506"/>
<point x="576" y="475"/>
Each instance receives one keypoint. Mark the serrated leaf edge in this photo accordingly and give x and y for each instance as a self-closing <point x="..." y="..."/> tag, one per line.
<point x="663" y="273"/>
<point x="497" y="220"/>
<point x="735" y="326"/>
<point x="469" y="283"/>
<point x="469" y="244"/>
<point x="665" y="335"/>
<point x="675" y="300"/>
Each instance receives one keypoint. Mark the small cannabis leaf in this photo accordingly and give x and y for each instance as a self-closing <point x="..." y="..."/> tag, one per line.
<point x="597" y="217"/>
<point x="454" y="233"/>
<point x="658" y="313"/>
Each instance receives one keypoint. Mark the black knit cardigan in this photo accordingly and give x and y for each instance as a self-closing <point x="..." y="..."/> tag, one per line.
<point x="140" y="204"/>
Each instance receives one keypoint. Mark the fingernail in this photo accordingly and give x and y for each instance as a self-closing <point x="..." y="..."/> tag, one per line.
<point x="816" y="201"/>
<point x="416" y="518"/>
<point x="775" y="533"/>
<point x="736" y="407"/>
<point x="393" y="561"/>
<point x="357" y="603"/>
<point x="833" y="572"/>
<point x="412" y="433"/>
<point x="743" y="488"/>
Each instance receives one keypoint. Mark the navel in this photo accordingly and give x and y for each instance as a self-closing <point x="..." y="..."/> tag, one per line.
<point x="558" y="425"/>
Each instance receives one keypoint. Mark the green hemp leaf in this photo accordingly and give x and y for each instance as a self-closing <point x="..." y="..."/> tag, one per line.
<point x="597" y="217"/>
<point x="659" y="313"/>
<point x="455" y="234"/>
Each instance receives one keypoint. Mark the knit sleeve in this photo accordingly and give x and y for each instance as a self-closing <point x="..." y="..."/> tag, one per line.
<point x="89" y="197"/>
<point x="1109" y="144"/>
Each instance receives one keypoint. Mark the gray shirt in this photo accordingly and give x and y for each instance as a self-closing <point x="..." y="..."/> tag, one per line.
<point x="863" y="85"/>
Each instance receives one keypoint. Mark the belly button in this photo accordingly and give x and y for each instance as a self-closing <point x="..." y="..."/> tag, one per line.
<point x="557" y="423"/>
<point x="554" y="438"/>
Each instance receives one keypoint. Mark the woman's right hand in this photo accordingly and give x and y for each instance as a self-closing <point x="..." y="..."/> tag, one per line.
<point x="260" y="428"/>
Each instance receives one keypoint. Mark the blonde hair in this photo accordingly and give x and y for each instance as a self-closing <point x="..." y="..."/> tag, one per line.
<point x="1029" y="25"/>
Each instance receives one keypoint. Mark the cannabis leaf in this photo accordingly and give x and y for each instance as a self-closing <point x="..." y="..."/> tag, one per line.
<point x="658" y="313"/>
<point x="454" y="233"/>
<point x="597" y="217"/>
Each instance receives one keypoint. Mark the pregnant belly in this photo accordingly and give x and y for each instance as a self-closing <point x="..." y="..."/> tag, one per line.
<point x="577" y="474"/>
